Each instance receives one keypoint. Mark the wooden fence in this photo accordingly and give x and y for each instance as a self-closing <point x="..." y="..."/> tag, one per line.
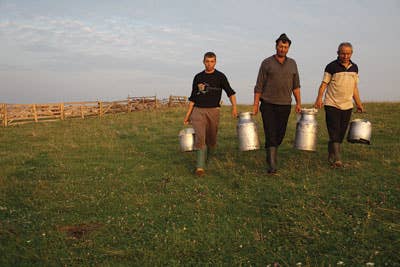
<point x="13" y="114"/>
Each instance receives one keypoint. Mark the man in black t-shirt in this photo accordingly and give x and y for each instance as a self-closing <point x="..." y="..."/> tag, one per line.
<point x="204" y="106"/>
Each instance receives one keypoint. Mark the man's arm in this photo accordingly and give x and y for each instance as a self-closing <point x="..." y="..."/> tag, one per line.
<point x="258" y="88"/>
<point x="356" y="97"/>
<point x="296" y="93"/>
<point x="230" y="93"/>
<point x="232" y="98"/>
<point x="188" y="113"/>
<point x="321" y="91"/>
<point x="256" y="102"/>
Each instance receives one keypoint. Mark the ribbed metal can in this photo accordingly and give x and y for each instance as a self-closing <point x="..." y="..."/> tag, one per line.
<point x="306" y="130"/>
<point x="360" y="131"/>
<point x="186" y="139"/>
<point x="247" y="132"/>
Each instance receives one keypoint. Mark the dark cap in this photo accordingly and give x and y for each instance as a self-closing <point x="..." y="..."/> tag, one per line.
<point x="283" y="37"/>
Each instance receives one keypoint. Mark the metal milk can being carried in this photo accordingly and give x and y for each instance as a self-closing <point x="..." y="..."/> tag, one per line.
<point x="186" y="139"/>
<point x="360" y="131"/>
<point x="247" y="132"/>
<point x="306" y="130"/>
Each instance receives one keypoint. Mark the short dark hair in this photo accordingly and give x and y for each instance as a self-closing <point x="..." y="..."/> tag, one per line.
<point x="209" y="54"/>
<point x="348" y="44"/>
<point x="284" y="39"/>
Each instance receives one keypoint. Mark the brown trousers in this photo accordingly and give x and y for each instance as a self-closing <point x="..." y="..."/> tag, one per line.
<point x="205" y="123"/>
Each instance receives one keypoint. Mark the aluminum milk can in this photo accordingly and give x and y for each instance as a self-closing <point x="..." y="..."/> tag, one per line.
<point x="306" y="130"/>
<point x="360" y="131"/>
<point x="247" y="132"/>
<point x="186" y="139"/>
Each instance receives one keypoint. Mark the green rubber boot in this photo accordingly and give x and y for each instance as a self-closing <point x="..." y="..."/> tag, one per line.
<point x="210" y="153"/>
<point x="201" y="161"/>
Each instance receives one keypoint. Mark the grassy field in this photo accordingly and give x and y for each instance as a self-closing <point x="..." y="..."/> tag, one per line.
<point x="116" y="191"/>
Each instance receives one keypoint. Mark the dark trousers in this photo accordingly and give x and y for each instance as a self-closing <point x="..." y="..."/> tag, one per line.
<point x="337" y="122"/>
<point x="275" y="118"/>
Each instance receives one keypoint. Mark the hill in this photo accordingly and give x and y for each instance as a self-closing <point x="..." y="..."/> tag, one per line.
<point x="117" y="191"/>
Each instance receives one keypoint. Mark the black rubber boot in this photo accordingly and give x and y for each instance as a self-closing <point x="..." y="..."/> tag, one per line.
<point x="272" y="155"/>
<point x="337" y="158"/>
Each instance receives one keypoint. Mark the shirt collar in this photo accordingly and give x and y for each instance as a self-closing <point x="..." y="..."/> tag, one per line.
<point x="340" y="63"/>
<point x="278" y="61"/>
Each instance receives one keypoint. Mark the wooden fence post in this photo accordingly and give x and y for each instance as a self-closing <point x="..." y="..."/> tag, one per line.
<point x="5" y="115"/>
<point x="82" y="116"/>
<point x="170" y="100"/>
<point x="155" y="101"/>
<point x="62" y="114"/>
<point x="35" y="113"/>
<point x="129" y="105"/>
<point x="100" y="109"/>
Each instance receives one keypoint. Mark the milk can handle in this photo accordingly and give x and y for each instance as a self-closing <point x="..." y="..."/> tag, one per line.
<point x="238" y="116"/>
<point x="360" y="113"/>
<point x="361" y="116"/>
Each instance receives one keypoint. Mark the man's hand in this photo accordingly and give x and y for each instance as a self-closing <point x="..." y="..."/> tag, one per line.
<point x="201" y="86"/>
<point x="255" y="109"/>
<point x="360" y="108"/>
<point x="186" y="121"/>
<point x="234" y="112"/>
<point x="298" y="108"/>
<point x="318" y="103"/>
<point x="232" y="98"/>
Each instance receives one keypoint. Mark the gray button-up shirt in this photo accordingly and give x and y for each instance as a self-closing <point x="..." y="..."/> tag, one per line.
<point x="276" y="81"/>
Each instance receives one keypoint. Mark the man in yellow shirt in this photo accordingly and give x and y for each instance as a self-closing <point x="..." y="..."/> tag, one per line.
<point x="340" y="82"/>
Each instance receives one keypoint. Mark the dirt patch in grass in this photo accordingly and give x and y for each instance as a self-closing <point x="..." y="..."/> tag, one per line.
<point x="79" y="231"/>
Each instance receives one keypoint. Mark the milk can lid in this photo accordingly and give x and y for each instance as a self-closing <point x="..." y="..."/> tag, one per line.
<point x="361" y="121"/>
<point x="310" y="111"/>
<point x="245" y="115"/>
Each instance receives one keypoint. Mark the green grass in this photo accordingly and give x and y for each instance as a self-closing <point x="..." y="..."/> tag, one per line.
<point x="116" y="191"/>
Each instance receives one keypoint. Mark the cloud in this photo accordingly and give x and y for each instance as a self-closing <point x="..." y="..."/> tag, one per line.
<point x="157" y="39"/>
<point x="114" y="37"/>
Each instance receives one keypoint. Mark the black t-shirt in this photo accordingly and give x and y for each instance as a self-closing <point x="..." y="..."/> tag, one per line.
<point x="215" y="82"/>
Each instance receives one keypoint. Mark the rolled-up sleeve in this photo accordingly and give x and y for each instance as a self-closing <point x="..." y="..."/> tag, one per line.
<point x="327" y="77"/>
<point x="327" y="74"/>
<point x="227" y="87"/>
<point x="357" y="78"/>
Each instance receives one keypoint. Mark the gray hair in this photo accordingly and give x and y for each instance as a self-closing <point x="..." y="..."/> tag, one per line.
<point x="347" y="44"/>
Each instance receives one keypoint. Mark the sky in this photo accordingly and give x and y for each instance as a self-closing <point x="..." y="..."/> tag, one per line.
<point x="77" y="50"/>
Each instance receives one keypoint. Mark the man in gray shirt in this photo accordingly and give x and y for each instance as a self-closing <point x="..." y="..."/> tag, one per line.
<point x="278" y="79"/>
